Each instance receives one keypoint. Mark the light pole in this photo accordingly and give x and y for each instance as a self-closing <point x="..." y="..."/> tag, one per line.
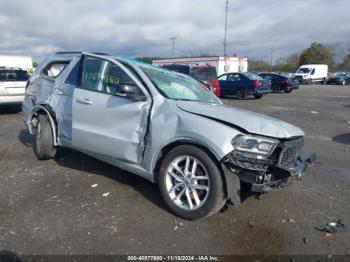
<point x="225" y="39"/>
<point x="173" y="40"/>
<point x="271" y="62"/>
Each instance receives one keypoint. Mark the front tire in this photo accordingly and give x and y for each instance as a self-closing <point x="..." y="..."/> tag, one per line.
<point x="43" y="141"/>
<point x="258" y="96"/>
<point x="190" y="183"/>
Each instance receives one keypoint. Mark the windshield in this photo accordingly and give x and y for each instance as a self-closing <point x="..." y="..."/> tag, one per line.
<point x="178" y="86"/>
<point x="304" y="70"/>
<point x="13" y="75"/>
<point x="204" y="74"/>
<point x="253" y="76"/>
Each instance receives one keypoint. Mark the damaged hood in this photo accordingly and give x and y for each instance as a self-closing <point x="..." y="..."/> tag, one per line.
<point x="253" y="123"/>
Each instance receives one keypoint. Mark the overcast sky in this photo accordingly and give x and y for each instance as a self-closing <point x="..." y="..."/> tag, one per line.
<point x="143" y="27"/>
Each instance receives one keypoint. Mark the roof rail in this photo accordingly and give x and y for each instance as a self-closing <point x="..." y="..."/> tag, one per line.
<point x="100" y="53"/>
<point x="68" y="52"/>
<point x="79" y="52"/>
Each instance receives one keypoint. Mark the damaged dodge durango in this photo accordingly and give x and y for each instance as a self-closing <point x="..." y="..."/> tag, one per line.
<point x="161" y="125"/>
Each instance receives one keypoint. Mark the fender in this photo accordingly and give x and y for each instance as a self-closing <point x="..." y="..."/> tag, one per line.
<point x="34" y="111"/>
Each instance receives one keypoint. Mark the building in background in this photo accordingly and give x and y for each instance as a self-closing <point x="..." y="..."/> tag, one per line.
<point x="223" y="64"/>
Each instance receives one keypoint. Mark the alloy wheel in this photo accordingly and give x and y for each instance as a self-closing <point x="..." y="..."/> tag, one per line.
<point x="187" y="182"/>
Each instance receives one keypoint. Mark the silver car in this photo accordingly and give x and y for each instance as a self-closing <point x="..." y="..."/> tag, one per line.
<point x="161" y="125"/>
<point x="12" y="85"/>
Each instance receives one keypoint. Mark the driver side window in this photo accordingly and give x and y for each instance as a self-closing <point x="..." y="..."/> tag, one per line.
<point x="103" y="76"/>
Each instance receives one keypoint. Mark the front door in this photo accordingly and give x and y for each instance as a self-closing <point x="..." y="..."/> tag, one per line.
<point x="103" y="122"/>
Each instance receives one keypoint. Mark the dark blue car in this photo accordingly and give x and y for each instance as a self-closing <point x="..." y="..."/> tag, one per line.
<point x="242" y="85"/>
<point x="339" y="78"/>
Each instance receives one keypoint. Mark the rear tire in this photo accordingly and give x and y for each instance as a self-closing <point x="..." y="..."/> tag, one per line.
<point x="43" y="141"/>
<point x="258" y="96"/>
<point x="242" y="94"/>
<point x="288" y="90"/>
<point x="177" y="188"/>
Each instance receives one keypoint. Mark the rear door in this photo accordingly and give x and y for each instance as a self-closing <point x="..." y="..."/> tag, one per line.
<point x="103" y="122"/>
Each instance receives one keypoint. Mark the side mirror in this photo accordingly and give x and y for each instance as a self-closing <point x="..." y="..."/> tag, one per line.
<point x="131" y="91"/>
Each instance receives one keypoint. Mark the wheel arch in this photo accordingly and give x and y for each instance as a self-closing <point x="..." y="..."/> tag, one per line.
<point x="211" y="153"/>
<point x="44" y="109"/>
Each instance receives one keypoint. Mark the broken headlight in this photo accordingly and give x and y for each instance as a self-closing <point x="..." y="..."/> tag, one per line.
<point x="260" y="147"/>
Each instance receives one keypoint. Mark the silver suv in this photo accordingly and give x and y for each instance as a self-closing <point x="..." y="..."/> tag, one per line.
<point x="161" y="125"/>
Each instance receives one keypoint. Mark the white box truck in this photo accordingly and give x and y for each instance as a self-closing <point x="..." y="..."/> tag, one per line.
<point x="313" y="73"/>
<point x="223" y="64"/>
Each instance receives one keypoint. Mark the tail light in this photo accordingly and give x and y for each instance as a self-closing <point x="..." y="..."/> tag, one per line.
<point x="256" y="83"/>
<point x="286" y="82"/>
<point x="215" y="87"/>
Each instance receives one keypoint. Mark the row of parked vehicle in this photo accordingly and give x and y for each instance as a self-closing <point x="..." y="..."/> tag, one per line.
<point x="318" y="73"/>
<point x="241" y="85"/>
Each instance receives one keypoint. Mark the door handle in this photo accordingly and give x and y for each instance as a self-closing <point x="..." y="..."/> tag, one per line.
<point x="85" y="101"/>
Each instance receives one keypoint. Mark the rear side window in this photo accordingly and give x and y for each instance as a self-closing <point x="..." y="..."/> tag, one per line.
<point x="55" y="68"/>
<point x="222" y="78"/>
<point x="267" y="77"/>
<point x="13" y="75"/>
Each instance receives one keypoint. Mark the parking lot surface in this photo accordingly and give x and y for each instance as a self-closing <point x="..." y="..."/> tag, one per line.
<point x="75" y="204"/>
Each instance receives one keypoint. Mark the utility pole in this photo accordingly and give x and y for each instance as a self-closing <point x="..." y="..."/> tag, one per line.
<point x="271" y="62"/>
<point x="173" y="40"/>
<point x="225" y="40"/>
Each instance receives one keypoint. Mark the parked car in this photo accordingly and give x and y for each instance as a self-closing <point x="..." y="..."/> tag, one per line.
<point x="339" y="78"/>
<point x="161" y="125"/>
<point x="12" y="85"/>
<point x="242" y="85"/>
<point x="281" y="82"/>
<point x="312" y="73"/>
<point x="206" y="74"/>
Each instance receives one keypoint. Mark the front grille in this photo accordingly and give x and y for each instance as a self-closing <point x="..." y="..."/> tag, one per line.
<point x="289" y="151"/>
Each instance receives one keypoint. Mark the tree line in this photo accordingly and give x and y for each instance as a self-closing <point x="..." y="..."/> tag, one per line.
<point x="316" y="53"/>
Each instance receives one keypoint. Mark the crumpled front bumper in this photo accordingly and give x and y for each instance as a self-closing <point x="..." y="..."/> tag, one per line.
<point x="266" y="181"/>
<point x="283" y="176"/>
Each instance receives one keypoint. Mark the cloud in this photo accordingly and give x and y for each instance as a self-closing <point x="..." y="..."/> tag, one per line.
<point x="144" y="28"/>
